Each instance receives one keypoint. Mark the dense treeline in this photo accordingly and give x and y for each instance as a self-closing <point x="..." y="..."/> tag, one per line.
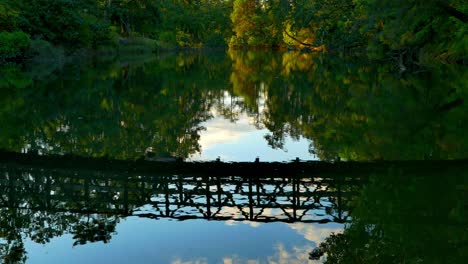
<point x="406" y="30"/>
<point x="93" y="24"/>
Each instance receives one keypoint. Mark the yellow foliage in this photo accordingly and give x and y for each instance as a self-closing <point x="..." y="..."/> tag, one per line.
<point x="304" y="35"/>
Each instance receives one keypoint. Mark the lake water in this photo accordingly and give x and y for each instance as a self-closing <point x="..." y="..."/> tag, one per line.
<point x="405" y="204"/>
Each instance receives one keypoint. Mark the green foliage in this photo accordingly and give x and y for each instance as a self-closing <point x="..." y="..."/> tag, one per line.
<point x="57" y="21"/>
<point x="334" y="22"/>
<point x="417" y="30"/>
<point x="168" y="37"/>
<point x="12" y="76"/>
<point x="14" y="44"/>
<point x="73" y="24"/>
<point x="8" y="17"/>
<point x="406" y="31"/>
<point x="255" y="25"/>
<point x="98" y="32"/>
<point x="194" y="24"/>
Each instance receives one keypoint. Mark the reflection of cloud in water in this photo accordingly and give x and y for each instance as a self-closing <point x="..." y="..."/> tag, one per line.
<point x="197" y="261"/>
<point x="313" y="232"/>
<point x="298" y="255"/>
<point x="222" y="131"/>
<point x="316" y="232"/>
<point x="234" y="141"/>
<point x="281" y="255"/>
<point x="250" y="223"/>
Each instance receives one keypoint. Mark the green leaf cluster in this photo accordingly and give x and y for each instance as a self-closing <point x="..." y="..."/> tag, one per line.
<point x="13" y="44"/>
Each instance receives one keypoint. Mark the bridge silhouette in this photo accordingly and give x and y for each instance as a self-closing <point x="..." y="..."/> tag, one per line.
<point x="263" y="192"/>
<point x="260" y="198"/>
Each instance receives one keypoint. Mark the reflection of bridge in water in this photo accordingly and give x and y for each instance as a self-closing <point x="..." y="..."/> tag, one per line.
<point x="186" y="196"/>
<point x="42" y="198"/>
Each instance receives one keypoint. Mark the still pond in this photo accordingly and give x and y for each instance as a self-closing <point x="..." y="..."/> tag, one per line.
<point x="404" y="200"/>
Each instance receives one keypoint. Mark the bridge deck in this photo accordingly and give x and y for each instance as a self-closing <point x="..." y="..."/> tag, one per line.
<point x="216" y="167"/>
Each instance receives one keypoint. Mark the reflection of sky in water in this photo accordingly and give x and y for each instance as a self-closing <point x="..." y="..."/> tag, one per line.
<point x="141" y="240"/>
<point x="242" y="141"/>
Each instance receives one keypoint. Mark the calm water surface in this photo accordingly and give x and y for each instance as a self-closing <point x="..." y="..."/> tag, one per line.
<point x="236" y="106"/>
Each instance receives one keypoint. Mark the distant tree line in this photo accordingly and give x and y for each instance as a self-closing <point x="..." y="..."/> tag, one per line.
<point x="405" y="30"/>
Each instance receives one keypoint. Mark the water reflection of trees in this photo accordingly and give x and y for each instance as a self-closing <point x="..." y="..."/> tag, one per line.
<point x="111" y="109"/>
<point x="350" y="110"/>
<point x="406" y="216"/>
<point x="356" y="111"/>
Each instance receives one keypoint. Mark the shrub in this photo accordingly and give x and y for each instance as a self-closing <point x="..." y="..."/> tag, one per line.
<point x="8" y="17"/>
<point x="12" y="76"/>
<point x="13" y="44"/>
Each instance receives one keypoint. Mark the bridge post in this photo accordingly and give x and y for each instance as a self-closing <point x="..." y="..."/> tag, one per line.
<point x="47" y="190"/>
<point x="180" y="189"/>
<point x="86" y="193"/>
<point x="219" y="191"/>
<point x="126" y="196"/>
<point x="339" y="203"/>
<point x="251" y="200"/>
<point x="295" y="196"/>
<point x="208" y="196"/>
<point x="166" y="195"/>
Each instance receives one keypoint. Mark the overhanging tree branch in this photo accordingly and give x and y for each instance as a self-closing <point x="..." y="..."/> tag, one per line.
<point x="453" y="11"/>
<point x="297" y="40"/>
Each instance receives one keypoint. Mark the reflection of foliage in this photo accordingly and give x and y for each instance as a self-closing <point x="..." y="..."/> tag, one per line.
<point x="250" y="72"/>
<point x="356" y="111"/>
<point x="353" y="110"/>
<point x="407" y="216"/>
<point x="93" y="230"/>
<point x="13" y="252"/>
<point x="113" y="111"/>
<point x="349" y="109"/>
<point x="364" y="113"/>
<point x="33" y="209"/>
